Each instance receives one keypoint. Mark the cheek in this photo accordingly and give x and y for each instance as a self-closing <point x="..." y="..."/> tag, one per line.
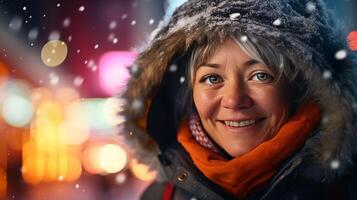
<point x="205" y="101"/>
<point x="272" y="101"/>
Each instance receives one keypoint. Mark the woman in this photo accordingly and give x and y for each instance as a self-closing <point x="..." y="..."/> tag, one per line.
<point x="246" y="100"/>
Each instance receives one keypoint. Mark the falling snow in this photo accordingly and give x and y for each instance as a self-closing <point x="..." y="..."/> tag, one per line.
<point x="134" y="69"/>
<point x="112" y="25"/>
<point x="124" y="16"/>
<point x="69" y="38"/>
<point x="78" y="81"/>
<point x="120" y="178"/>
<point x="77" y="186"/>
<point x="115" y="40"/>
<point x="173" y="68"/>
<point x="58" y="5"/>
<point x="81" y="8"/>
<point x="24" y="8"/>
<point x="341" y="54"/>
<point x="335" y="164"/>
<point x="244" y="38"/>
<point x="60" y="178"/>
<point x="310" y="7"/>
<point x="133" y="23"/>
<point x="96" y="46"/>
<point x="137" y="104"/>
<point x="277" y="22"/>
<point x="33" y="34"/>
<point x="15" y="24"/>
<point x="326" y="74"/>
<point x="54" y="35"/>
<point x="54" y="79"/>
<point x="151" y="21"/>
<point x="234" y="16"/>
<point x="182" y="79"/>
<point x="66" y="22"/>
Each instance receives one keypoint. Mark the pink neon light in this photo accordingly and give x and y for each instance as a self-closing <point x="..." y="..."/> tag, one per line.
<point x="113" y="70"/>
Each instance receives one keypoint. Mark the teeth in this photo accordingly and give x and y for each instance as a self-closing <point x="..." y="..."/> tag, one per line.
<point x="240" y="124"/>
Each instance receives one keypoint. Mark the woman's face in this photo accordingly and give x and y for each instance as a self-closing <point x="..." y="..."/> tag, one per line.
<point x="239" y="105"/>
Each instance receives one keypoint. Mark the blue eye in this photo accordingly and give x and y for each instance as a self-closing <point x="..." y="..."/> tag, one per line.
<point x="261" y="76"/>
<point x="211" y="79"/>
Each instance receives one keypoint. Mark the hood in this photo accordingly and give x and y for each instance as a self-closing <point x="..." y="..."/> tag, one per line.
<point x="302" y="29"/>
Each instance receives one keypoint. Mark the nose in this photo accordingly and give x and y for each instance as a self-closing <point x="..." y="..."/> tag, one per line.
<point x="235" y="96"/>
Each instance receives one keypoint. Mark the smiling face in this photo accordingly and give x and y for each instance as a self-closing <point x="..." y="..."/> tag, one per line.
<point x="238" y="100"/>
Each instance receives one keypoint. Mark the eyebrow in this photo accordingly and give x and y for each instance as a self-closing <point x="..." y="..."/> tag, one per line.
<point x="245" y="64"/>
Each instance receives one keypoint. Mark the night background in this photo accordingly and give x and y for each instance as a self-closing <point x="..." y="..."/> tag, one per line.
<point x="61" y="64"/>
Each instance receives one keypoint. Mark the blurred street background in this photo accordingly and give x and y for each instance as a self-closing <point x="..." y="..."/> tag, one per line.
<point x="61" y="64"/>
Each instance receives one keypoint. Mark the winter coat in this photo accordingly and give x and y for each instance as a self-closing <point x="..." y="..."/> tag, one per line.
<point x="308" y="36"/>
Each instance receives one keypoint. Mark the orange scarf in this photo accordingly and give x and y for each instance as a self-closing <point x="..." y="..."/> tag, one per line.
<point x="241" y="175"/>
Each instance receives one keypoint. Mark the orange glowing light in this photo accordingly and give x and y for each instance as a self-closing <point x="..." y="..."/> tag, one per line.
<point x="352" y="40"/>
<point x="3" y="183"/>
<point x="40" y="95"/>
<point x="3" y="72"/>
<point x="66" y="95"/>
<point x="142" y="171"/>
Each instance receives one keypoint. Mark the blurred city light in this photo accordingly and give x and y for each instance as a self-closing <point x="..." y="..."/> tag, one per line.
<point x="53" y="53"/>
<point x="142" y="171"/>
<point x="112" y="158"/>
<point x="113" y="70"/>
<point x="17" y="110"/>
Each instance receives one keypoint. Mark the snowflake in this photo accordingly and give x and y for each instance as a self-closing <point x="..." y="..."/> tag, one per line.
<point x="33" y="34"/>
<point x="277" y="22"/>
<point x="124" y="16"/>
<point x="115" y="40"/>
<point x="234" y="16"/>
<point x="24" y="8"/>
<point x="120" y="178"/>
<point x="326" y="74"/>
<point x="66" y="22"/>
<point x="335" y="164"/>
<point x="54" y="79"/>
<point x="15" y="24"/>
<point x="151" y="21"/>
<point x="112" y="25"/>
<point x="77" y="186"/>
<point x="77" y="81"/>
<point x="341" y="54"/>
<point x="310" y="7"/>
<point x="60" y="178"/>
<point x="96" y="46"/>
<point x="173" y="68"/>
<point x="69" y="38"/>
<point x="54" y="35"/>
<point x="137" y="104"/>
<point x="58" y="5"/>
<point x="182" y="79"/>
<point x="81" y="8"/>
<point x="244" y="38"/>
<point x="133" y="23"/>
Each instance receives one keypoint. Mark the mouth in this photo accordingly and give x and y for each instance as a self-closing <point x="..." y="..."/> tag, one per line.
<point x="242" y="123"/>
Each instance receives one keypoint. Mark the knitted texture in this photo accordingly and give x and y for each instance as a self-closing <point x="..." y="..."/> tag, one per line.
<point x="200" y="135"/>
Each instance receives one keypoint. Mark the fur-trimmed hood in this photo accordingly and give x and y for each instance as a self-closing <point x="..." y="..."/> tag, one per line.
<point x="301" y="29"/>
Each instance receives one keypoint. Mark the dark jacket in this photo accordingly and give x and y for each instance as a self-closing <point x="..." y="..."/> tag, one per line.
<point x="307" y="35"/>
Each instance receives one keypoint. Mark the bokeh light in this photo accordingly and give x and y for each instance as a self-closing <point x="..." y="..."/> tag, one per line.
<point x="113" y="70"/>
<point x="112" y="158"/>
<point x="3" y="73"/>
<point x="54" y="52"/>
<point x="142" y="171"/>
<point x="17" y="110"/>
